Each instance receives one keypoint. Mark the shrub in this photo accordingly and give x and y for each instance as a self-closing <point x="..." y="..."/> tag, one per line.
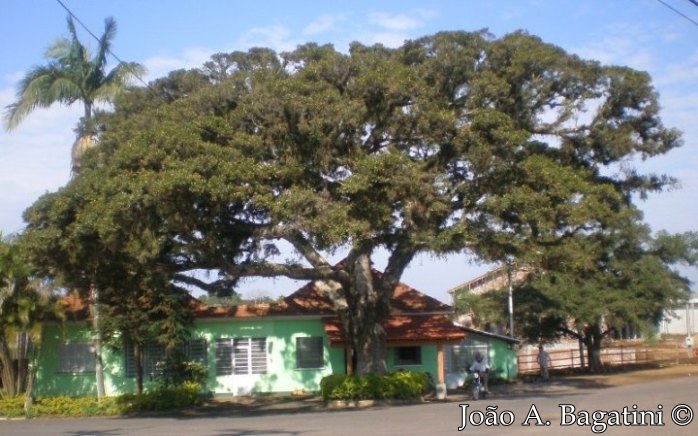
<point x="161" y="398"/>
<point x="74" y="406"/>
<point x="176" y="370"/>
<point x="351" y="388"/>
<point x="398" y="385"/>
<point x="329" y="383"/>
<point x="11" y="406"/>
<point x="409" y="384"/>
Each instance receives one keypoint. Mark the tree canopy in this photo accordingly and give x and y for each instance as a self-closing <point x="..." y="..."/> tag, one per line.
<point x="594" y="287"/>
<point x="454" y="141"/>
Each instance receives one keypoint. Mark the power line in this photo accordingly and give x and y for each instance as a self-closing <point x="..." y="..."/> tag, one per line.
<point x="140" y="79"/>
<point x="75" y="17"/>
<point x="681" y="13"/>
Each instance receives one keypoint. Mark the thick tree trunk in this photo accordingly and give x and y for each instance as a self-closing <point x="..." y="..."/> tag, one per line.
<point x="97" y="332"/>
<point x="592" y="340"/>
<point x="367" y="310"/>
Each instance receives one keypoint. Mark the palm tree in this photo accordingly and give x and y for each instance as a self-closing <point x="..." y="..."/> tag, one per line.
<point x="71" y="76"/>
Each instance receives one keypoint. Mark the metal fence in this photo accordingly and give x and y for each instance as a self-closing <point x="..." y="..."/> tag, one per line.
<point x="570" y="358"/>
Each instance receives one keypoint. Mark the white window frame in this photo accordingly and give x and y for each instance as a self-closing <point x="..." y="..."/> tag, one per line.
<point x="154" y="353"/>
<point x="241" y="356"/>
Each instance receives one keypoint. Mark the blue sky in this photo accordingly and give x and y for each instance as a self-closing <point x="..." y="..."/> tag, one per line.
<point x="168" y="35"/>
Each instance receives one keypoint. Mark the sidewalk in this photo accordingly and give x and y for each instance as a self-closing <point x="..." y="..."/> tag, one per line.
<point x="263" y="405"/>
<point x="269" y="405"/>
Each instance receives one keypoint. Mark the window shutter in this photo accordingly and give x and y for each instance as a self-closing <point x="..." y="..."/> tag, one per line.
<point x="258" y="355"/>
<point x="197" y="351"/>
<point x="224" y="356"/>
<point x="129" y="360"/>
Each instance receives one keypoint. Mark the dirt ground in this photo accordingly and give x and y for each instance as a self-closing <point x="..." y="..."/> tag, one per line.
<point x="631" y="376"/>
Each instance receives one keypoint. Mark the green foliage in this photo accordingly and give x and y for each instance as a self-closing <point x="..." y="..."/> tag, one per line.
<point x="591" y="284"/>
<point x="402" y="385"/>
<point x="24" y="300"/>
<point x="177" y="371"/>
<point x="162" y="398"/>
<point x="506" y="147"/>
<point x="12" y="406"/>
<point x="329" y="383"/>
<point x="75" y="407"/>
<point x="70" y="75"/>
<point x="60" y="406"/>
<point x="159" y="399"/>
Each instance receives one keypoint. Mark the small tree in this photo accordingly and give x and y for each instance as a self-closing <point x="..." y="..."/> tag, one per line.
<point x="597" y="283"/>
<point x="23" y="301"/>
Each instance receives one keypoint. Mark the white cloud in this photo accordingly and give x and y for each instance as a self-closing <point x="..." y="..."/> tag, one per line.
<point x="682" y="72"/>
<point x="393" y="29"/>
<point x="623" y="44"/>
<point x="274" y="37"/>
<point x="388" y="39"/>
<point x="397" y="22"/>
<point x="35" y="158"/>
<point x="322" y="24"/>
<point x="618" y="50"/>
<point x="6" y="97"/>
<point x="160" y="66"/>
<point x="13" y="78"/>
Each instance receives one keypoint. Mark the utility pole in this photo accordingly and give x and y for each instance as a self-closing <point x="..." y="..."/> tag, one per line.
<point x="511" y="299"/>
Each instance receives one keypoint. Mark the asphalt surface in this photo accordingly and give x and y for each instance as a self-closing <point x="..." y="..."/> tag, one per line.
<point x="564" y="405"/>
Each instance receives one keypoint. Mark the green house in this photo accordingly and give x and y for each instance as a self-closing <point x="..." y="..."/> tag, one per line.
<point x="280" y="348"/>
<point x="499" y="350"/>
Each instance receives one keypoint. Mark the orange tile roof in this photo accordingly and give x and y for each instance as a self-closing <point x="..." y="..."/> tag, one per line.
<point x="239" y="311"/>
<point x="415" y="316"/>
<point x="73" y="306"/>
<point x="312" y="300"/>
<point x="412" y="328"/>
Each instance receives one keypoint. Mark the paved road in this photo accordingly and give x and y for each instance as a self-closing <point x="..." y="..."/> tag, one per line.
<point x="653" y="400"/>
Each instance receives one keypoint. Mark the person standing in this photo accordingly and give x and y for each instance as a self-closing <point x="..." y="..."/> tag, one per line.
<point x="544" y="363"/>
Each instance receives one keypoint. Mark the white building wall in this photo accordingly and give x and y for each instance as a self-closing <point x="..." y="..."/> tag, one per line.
<point x="682" y="320"/>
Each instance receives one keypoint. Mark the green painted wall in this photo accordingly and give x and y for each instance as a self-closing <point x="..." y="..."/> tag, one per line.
<point x="428" y="361"/>
<point x="282" y="375"/>
<point x="49" y="381"/>
<point x="502" y="358"/>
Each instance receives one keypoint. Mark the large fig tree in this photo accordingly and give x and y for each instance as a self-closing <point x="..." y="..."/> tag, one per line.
<point x="455" y="141"/>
